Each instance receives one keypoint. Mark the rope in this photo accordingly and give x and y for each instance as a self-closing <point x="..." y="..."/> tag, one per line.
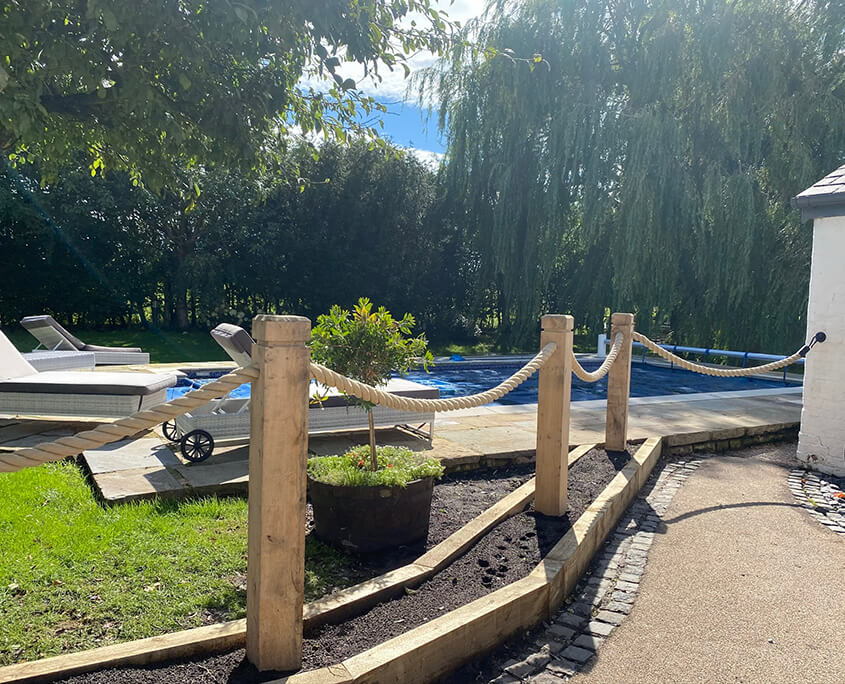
<point x="602" y="370"/>
<point x="719" y="372"/>
<point x="369" y="393"/>
<point x="66" y="447"/>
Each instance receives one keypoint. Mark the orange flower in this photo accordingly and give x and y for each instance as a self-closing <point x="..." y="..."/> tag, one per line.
<point x="361" y="463"/>
<point x="389" y="465"/>
<point x="840" y="495"/>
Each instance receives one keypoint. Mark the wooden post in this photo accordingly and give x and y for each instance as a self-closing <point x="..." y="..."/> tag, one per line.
<point x="278" y="450"/>
<point x="619" y="384"/>
<point x="550" y="496"/>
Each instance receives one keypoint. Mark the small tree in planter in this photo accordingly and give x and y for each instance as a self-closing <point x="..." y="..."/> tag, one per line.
<point x="370" y="498"/>
<point x="367" y="346"/>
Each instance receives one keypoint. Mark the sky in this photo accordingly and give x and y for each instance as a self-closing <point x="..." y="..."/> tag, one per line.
<point x="405" y="123"/>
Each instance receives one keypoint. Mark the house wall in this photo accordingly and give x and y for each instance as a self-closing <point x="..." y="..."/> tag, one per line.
<point x="821" y="440"/>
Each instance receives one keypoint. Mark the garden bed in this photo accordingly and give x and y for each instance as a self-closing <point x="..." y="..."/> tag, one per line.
<point x="509" y="552"/>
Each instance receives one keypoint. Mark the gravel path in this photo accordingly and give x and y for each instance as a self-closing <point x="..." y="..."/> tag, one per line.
<point x="742" y="586"/>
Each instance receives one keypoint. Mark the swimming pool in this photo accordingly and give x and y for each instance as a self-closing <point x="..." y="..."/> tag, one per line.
<point x="461" y="379"/>
<point x="647" y="380"/>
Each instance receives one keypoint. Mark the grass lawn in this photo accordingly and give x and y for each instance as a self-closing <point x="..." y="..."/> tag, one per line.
<point x="168" y="346"/>
<point x="75" y="575"/>
<point x="163" y="346"/>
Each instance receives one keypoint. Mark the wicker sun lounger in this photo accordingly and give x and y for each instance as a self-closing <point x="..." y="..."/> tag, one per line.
<point x="228" y="418"/>
<point x="54" y="337"/>
<point x="25" y="391"/>
<point x="60" y="360"/>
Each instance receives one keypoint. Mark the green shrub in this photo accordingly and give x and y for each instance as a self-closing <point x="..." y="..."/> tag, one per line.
<point x="397" y="466"/>
<point x="367" y="346"/>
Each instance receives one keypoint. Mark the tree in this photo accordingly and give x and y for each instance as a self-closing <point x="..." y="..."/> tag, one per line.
<point x="154" y="86"/>
<point x="107" y="252"/>
<point x="367" y="346"/>
<point x="648" y="150"/>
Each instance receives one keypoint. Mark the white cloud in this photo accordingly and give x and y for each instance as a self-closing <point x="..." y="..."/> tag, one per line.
<point x="427" y="157"/>
<point x="393" y="85"/>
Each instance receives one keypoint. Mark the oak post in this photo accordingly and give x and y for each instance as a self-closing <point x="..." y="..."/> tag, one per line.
<point x="278" y="450"/>
<point x="550" y="496"/>
<point x="619" y="384"/>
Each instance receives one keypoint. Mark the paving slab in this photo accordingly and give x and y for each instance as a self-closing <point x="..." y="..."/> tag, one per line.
<point x="218" y="478"/>
<point x="129" y="454"/>
<point x="122" y="486"/>
<point x="462" y="438"/>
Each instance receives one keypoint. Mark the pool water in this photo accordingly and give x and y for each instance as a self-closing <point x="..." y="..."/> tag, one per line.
<point x="647" y="380"/>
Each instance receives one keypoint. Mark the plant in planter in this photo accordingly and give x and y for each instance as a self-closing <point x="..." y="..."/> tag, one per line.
<point x="370" y="498"/>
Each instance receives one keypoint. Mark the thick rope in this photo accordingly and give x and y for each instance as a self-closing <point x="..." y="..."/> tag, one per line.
<point x="66" y="447"/>
<point x="719" y="372"/>
<point x="330" y="378"/>
<point x="602" y="370"/>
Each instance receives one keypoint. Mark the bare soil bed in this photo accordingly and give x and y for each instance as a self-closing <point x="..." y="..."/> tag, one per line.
<point x="507" y="553"/>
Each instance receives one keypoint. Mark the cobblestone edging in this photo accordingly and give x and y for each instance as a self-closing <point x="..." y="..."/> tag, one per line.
<point x="821" y="495"/>
<point x="605" y="595"/>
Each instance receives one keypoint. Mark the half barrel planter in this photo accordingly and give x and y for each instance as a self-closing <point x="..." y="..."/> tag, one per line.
<point x="365" y="519"/>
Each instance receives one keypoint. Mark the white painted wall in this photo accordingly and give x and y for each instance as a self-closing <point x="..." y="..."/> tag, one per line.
<point x="821" y="442"/>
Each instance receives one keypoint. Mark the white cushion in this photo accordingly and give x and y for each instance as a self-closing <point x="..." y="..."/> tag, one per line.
<point x="12" y="364"/>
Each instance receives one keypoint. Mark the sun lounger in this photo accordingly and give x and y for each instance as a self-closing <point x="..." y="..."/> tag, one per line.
<point x="228" y="418"/>
<point x="25" y="391"/>
<point x="54" y="337"/>
<point x="60" y="360"/>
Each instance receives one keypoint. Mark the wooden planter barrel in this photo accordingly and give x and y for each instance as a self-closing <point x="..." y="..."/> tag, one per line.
<point x="367" y="519"/>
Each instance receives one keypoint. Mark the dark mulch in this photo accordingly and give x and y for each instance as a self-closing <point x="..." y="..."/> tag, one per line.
<point x="509" y="552"/>
<point x="457" y="499"/>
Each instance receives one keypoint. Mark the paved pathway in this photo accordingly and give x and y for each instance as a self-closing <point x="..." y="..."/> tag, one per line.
<point x="741" y="584"/>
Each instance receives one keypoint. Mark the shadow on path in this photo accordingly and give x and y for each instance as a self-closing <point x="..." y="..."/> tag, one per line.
<point x="723" y="507"/>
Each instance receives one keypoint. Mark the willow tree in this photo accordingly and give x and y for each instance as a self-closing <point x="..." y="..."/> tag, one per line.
<point x="646" y="151"/>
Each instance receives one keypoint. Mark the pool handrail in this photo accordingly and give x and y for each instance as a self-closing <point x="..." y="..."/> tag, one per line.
<point x="675" y="348"/>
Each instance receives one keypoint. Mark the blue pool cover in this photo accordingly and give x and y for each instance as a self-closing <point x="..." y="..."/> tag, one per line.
<point x="647" y="380"/>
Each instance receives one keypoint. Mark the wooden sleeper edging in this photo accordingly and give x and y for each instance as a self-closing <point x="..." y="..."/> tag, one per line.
<point x="439" y="646"/>
<point x="333" y="608"/>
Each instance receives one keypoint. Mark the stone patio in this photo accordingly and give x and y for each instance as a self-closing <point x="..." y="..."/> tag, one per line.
<point x="149" y="466"/>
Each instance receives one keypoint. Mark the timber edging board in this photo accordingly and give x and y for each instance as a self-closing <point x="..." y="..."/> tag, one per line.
<point x="439" y="646"/>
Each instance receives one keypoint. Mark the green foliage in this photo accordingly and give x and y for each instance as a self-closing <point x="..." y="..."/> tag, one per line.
<point x="110" y="254"/>
<point x="367" y="345"/>
<point x="647" y="162"/>
<point x="152" y="87"/>
<point x="397" y="466"/>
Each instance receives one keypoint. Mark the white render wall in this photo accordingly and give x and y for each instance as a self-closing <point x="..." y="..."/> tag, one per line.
<point x="821" y="442"/>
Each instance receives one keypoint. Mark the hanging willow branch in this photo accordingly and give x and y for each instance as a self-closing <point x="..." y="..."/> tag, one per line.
<point x="651" y="152"/>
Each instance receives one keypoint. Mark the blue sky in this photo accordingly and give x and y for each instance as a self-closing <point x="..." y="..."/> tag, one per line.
<point x="405" y="123"/>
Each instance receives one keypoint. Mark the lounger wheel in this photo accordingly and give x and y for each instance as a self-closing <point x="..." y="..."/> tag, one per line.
<point x="170" y="431"/>
<point x="197" y="445"/>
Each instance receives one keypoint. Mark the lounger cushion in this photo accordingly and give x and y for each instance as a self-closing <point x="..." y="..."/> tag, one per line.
<point x="98" y="348"/>
<point x="12" y="364"/>
<point x="32" y="323"/>
<point x="235" y="341"/>
<point x="397" y="386"/>
<point x="92" y="382"/>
